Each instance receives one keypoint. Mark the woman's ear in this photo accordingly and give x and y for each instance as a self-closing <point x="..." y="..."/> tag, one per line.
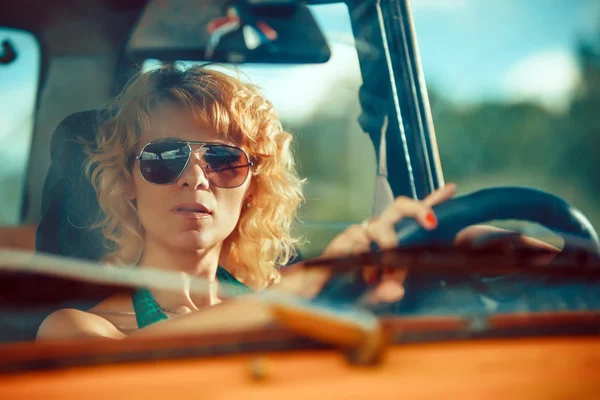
<point x="248" y="201"/>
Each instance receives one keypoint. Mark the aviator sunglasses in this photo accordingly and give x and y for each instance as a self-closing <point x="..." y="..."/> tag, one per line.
<point x="224" y="166"/>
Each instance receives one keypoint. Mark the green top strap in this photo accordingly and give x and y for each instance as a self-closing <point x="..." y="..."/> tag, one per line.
<point x="148" y="312"/>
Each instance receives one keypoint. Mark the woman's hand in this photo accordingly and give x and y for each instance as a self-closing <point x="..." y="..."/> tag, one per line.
<point x="380" y="230"/>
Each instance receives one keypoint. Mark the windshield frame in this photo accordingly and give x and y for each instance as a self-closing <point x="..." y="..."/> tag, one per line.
<point x="394" y="96"/>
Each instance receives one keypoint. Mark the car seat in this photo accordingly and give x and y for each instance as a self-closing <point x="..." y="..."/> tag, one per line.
<point x="69" y="208"/>
<point x="69" y="205"/>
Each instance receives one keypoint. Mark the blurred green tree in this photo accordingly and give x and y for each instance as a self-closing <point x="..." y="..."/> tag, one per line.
<point x="501" y="143"/>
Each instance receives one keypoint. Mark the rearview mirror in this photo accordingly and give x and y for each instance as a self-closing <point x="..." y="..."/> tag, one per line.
<point x="238" y="31"/>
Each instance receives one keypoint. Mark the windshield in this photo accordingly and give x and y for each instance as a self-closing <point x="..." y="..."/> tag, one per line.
<point x="513" y="108"/>
<point x="514" y="105"/>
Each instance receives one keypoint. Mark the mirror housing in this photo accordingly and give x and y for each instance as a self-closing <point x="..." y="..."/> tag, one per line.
<point x="238" y="31"/>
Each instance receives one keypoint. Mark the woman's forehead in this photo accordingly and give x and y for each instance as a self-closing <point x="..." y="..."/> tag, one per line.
<point x="173" y="122"/>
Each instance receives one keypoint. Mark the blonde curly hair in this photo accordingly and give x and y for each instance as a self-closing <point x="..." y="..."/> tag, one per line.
<point x="262" y="240"/>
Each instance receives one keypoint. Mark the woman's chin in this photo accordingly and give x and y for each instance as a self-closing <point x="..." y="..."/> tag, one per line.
<point x="193" y="240"/>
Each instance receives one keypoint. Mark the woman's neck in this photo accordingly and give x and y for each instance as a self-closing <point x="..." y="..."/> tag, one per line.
<point x="201" y="263"/>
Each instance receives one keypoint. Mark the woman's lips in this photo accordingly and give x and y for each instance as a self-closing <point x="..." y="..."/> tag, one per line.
<point x="189" y="214"/>
<point x="192" y="210"/>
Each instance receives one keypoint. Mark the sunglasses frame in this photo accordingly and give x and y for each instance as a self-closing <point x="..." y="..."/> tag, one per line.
<point x="188" y="143"/>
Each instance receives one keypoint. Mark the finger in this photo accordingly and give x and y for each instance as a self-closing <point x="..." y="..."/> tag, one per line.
<point x="385" y="292"/>
<point x="441" y="195"/>
<point x="370" y="274"/>
<point x="382" y="233"/>
<point x="388" y="291"/>
<point x="361" y="242"/>
<point x="405" y="207"/>
<point x="390" y="286"/>
<point x="352" y="241"/>
<point x="357" y="239"/>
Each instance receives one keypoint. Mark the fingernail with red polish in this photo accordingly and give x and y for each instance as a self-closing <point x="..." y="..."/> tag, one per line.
<point x="431" y="220"/>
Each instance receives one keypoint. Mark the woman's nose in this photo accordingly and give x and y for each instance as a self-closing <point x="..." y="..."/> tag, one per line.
<point x="194" y="176"/>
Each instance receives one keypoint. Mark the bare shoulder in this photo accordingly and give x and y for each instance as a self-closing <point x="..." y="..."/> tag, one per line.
<point x="70" y="323"/>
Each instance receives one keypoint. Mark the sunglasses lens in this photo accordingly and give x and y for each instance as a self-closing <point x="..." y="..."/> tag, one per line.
<point x="163" y="163"/>
<point x="227" y="166"/>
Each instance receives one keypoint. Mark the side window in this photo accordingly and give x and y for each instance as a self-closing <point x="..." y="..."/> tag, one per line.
<point x="515" y="94"/>
<point x="20" y="65"/>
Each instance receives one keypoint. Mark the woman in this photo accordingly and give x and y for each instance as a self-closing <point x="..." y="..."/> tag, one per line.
<point x="195" y="174"/>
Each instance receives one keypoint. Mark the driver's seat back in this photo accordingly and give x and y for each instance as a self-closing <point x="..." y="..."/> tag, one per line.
<point x="69" y="208"/>
<point x="69" y="204"/>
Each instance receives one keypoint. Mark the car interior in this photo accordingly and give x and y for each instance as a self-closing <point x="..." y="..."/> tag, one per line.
<point x="356" y="103"/>
<point x="53" y="213"/>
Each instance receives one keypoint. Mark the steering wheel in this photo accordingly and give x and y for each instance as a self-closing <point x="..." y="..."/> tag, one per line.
<point x="504" y="203"/>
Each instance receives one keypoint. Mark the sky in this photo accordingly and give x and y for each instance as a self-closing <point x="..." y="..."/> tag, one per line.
<point x="508" y="50"/>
